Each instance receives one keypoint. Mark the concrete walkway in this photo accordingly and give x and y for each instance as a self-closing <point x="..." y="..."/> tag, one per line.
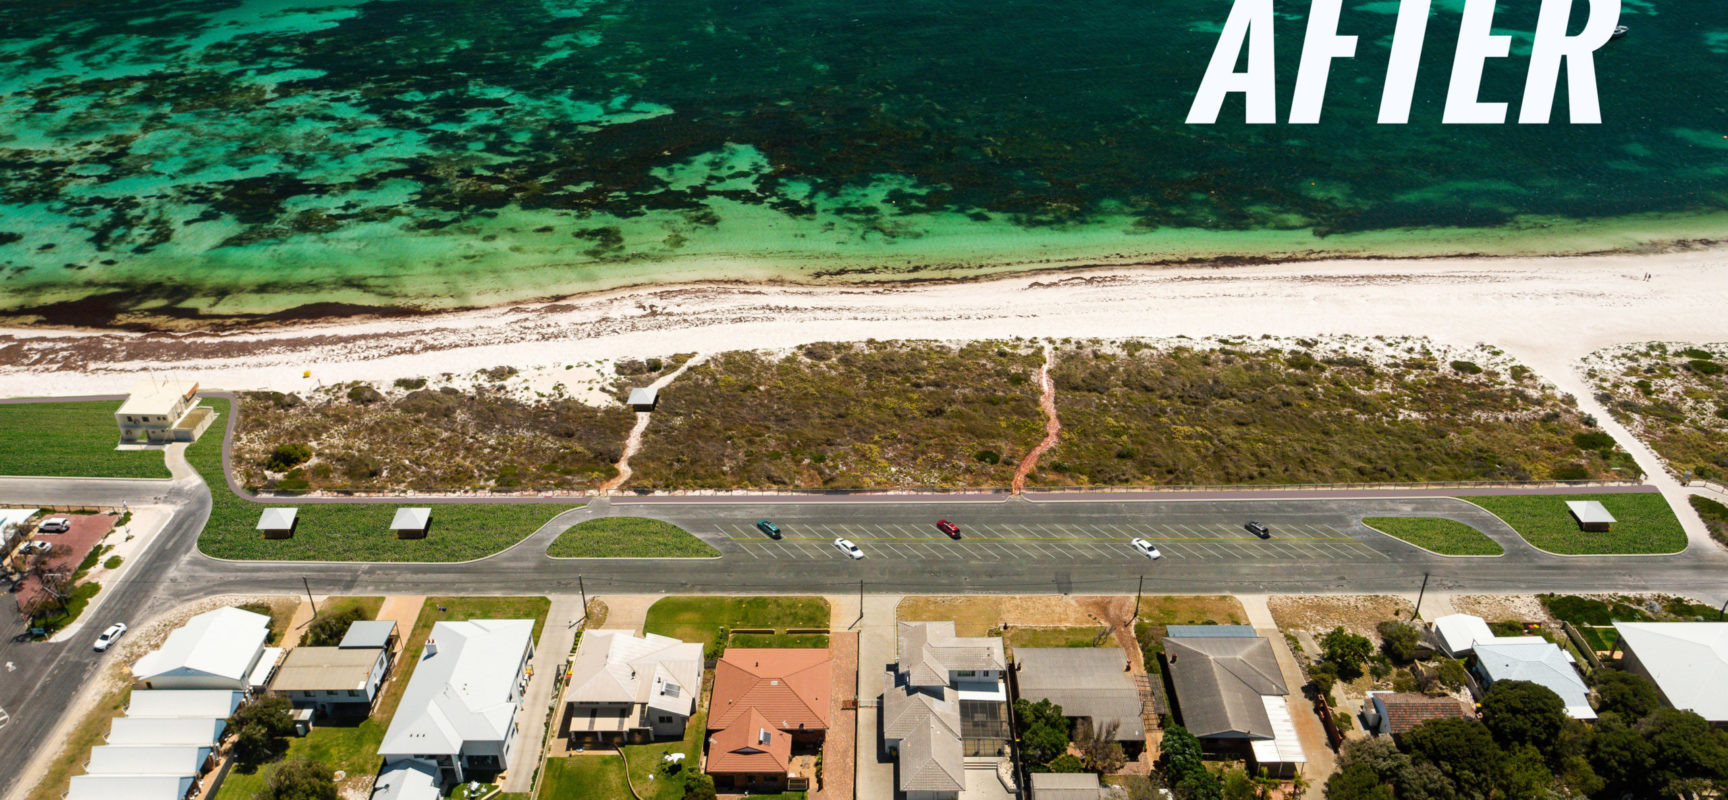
<point x="627" y="612"/>
<point x="1322" y="762"/>
<point x="553" y="650"/>
<point x="404" y="610"/>
<point x="874" y="774"/>
<point x="297" y="624"/>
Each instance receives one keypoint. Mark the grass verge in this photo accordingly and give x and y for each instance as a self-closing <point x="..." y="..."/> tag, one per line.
<point x="90" y="732"/>
<point x="1058" y="637"/>
<point x="1444" y="536"/>
<point x="70" y="440"/>
<point x="629" y="537"/>
<point x="353" y="531"/>
<point x="700" y="619"/>
<point x="1644" y="524"/>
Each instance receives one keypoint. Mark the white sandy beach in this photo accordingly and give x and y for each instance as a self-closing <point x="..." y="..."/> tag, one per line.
<point x="1546" y="312"/>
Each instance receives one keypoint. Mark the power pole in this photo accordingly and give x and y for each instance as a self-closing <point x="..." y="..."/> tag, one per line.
<point x="1417" y="614"/>
<point x="583" y="588"/>
<point x="1137" y="593"/>
<point x="1723" y="611"/>
<point x="309" y="599"/>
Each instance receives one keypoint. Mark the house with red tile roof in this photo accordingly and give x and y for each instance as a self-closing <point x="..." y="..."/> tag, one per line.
<point x="1394" y="713"/>
<point x="767" y="718"/>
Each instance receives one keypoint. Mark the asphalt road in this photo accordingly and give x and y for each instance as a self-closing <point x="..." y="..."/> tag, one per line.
<point x="1055" y="544"/>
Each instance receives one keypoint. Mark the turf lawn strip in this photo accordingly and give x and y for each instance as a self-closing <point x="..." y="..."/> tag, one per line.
<point x="70" y="440"/>
<point x="1444" y="536"/>
<point x="629" y="537"/>
<point x="1644" y="524"/>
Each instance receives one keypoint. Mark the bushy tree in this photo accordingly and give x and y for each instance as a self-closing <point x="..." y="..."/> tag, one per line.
<point x="1399" y="640"/>
<point x="287" y="456"/>
<point x="1099" y="750"/>
<point x="698" y="785"/>
<point x="1238" y="786"/>
<point x="1520" y="713"/>
<point x="328" y="629"/>
<point x="300" y="780"/>
<point x="1178" y="753"/>
<point x="1044" y="732"/>
<point x="1461" y="749"/>
<point x="1631" y="696"/>
<point x="1686" y="753"/>
<point x="1066" y="762"/>
<point x="1346" y="651"/>
<point x="261" y="729"/>
<point x="1358" y="782"/>
<point x="1199" y="784"/>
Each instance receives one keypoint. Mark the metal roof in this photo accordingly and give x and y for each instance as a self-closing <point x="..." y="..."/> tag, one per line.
<point x="1685" y="659"/>
<point x="411" y="519"/>
<point x="326" y="668"/>
<point x="200" y="703"/>
<point x="1538" y="661"/>
<point x="1285" y="747"/>
<point x="222" y="644"/>
<point x="130" y="787"/>
<point x="156" y="398"/>
<point x="1589" y="512"/>
<point x="644" y="396"/>
<point x="158" y="732"/>
<point x="277" y="519"/>
<point x="463" y="689"/>
<point x="1088" y="682"/>
<point x="407" y="780"/>
<point x="1210" y="631"/>
<point x="369" y="633"/>
<point x="1065" y="786"/>
<point x="177" y="760"/>
<point x="1219" y="682"/>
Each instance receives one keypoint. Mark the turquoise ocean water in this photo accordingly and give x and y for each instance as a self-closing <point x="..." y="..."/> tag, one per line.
<point x="248" y="157"/>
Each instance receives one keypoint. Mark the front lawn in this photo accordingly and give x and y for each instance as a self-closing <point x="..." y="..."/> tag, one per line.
<point x="629" y="537"/>
<point x="1444" y="536"/>
<point x="647" y="759"/>
<point x="1644" y="523"/>
<point x="71" y="440"/>
<point x="1058" y="637"/>
<point x="350" y="749"/>
<point x="599" y="776"/>
<point x="1192" y="610"/>
<point x="699" y="619"/>
<point x="353" y="531"/>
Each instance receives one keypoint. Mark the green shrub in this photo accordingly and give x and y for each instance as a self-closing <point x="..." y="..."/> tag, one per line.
<point x="113" y="562"/>
<point x="987" y="457"/>
<point x="1703" y="367"/>
<point x="410" y="384"/>
<point x="364" y="395"/>
<point x="1696" y="354"/>
<point x="1592" y="440"/>
<point x="1466" y="367"/>
<point x="288" y="456"/>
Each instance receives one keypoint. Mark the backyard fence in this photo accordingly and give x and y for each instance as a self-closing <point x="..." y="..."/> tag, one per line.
<point x="1582" y="644"/>
<point x="1323" y="709"/>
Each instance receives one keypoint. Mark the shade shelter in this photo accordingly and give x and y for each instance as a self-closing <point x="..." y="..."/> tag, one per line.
<point x="1591" y="515"/>
<point x="411" y="523"/>
<point x="644" y="399"/>
<point x="278" y="523"/>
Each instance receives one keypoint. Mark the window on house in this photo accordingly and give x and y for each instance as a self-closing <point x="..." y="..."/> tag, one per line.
<point x="353" y="692"/>
<point x="966" y="673"/>
<point x="665" y="718"/>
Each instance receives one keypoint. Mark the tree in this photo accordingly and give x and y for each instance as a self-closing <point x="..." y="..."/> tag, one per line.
<point x="698" y="786"/>
<point x="1523" y="775"/>
<point x="1099" y="750"/>
<point x="1044" y="732"/>
<point x="328" y="629"/>
<point x="1237" y="786"/>
<point x="1685" y="751"/>
<point x="1522" y="713"/>
<point x="1199" y="784"/>
<point x="1064" y="763"/>
<point x="1178" y="753"/>
<point x="1620" y="755"/>
<point x="1462" y="749"/>
<point x="300" y="780"/>
<point x="1399" y="640"/>
<point x="288" y="456"/>
<point x="1624" y="693"/>
<point x="1357" y="782"/>
<point x="1346" y="651"/>
<point x="1452" y="673"/>
<point x="261" y="730"/>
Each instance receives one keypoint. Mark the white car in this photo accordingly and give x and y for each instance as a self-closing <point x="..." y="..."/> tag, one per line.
<point x="1146" y="549"/>
<point x="36" y="546"/>
<point x="110" y="636"/>
<point x="54" y="525"/>
<point x="846" y="546"/>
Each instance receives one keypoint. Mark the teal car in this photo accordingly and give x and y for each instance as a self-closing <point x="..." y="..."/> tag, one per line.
<point x="769" y="528"/>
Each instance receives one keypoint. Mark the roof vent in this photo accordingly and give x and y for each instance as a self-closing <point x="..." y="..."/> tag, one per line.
<point x="762" y="736"/>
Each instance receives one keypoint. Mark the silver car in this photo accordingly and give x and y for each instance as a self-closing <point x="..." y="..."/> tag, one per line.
<point x="846" y="546"/>
<point x="110" y="636"/>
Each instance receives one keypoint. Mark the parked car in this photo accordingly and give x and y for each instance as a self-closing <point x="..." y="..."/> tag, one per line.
<point x="1258" y="530"/>
<point x="949" y="528"/>
<point x="769" y="528"/>
<point x="846" y="546"/>
<point x="54" y="525"/>
<point x="109" y="636"/>
<point x="1146" y="549"/>
<point x="37" y="546"/>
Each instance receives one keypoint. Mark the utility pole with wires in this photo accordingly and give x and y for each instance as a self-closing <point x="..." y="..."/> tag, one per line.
<point x="1137" y="594"/>
<point x="308" y="585"/>
<point x="1417" y="614"/>
<point x="583" y="588"/>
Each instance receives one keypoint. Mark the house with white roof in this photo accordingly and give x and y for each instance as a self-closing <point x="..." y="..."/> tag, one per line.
<point x="941" y="703"/>
<point x="1538" y="661"/>
<point x="458" y="713"/>
<point x="175" y="760"/>
<point x="214" y="650"/>
<point x="625" y="688"/>
<point x="166" y="732"/>
<point x="1459" y="633"/>
<point x="205" y="703"/>
<point x="131" y="787"/>
<point x="162" y="411"/>
<point x="1686" y="661"/>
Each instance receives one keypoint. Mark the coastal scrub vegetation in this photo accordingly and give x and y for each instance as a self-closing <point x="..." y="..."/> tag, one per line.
<point x="629" y="537"/>
<point x="357" y="531"/>
<point x="1277" y="411"/>
<point x="847" y="415"/>
<point x="1674" y="397"/>
<point x="447" y="439"/>
<point x="70" y="440"/>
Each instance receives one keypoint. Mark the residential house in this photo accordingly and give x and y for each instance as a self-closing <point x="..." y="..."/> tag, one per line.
<point x="626" y="688"/>
<point x="215" y="650"/>
<point x="1069" y="785"/>
<point x="174" y="760"/>
<point x="1394" y="713"/>
<point x="341" y="681"/>
<point x="1458" y="634"/>
<point x="166" y="732"/>
<point x="943" y="701"/>
<point x="1230" y="694"/>
<point x="768" y="717"/>
<point x="1091" y="684"/>
<point x="1538" y="661"/>
<point x="131" y="787"/>
<point x="458" y="713"/>
<point x="161" y="412"/>
<point x="1686" y="661"/>
<point x="182" y="703"/>
<point x="407" y="780"/>
<point x="370" y="634"/>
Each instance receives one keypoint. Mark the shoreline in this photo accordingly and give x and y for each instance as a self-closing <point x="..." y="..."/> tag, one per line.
<point x="151" y="306"/>
<point x="1548" y="312"/>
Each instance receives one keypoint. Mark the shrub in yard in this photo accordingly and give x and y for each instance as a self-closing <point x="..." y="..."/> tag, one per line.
<point x="1629" y="695"/>
<point x="288" y="456"/>
<point x="698" y="786"/>
<point x="300" y="780"/>
<point x="113" y="562"/>
<point x="328" y="629"/>
<point x="1452" y="673"/>
<point x="1062" y="763"/>
<point x="1522" y="713"/>
<point x="261" y="729"/>
<point x="1346" y="651"/>
<point x="1399" y="640"/>
<point x="1044" y="732"/>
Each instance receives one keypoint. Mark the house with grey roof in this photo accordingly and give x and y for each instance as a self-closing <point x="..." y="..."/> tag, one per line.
<point x="944" y="700"/>
<point x="1070" y="786"/>
<point x="626" y="688"/>
<point x="1089" y="683"/>
<point x="1230" y="693"/>
<point x="367" y="634"/>
<point x="1538" y="661"/>
<point x="1686" y="661"/>
<point x="342" y="681"/>
<point x="459" y="711"/>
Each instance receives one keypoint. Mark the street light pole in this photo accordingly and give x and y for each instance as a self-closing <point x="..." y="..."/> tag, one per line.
<point x="1417" y="614"/>
<point x="309" y="599"/>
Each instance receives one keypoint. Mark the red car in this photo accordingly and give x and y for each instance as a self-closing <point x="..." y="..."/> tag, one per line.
<point x="949" y="528"/>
